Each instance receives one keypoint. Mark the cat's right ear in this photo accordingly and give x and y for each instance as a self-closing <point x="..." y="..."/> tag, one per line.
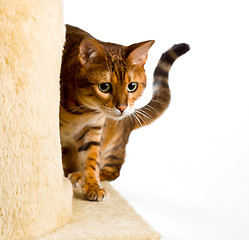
<point x="138" y="52"/>
<point x="90" y="52"/>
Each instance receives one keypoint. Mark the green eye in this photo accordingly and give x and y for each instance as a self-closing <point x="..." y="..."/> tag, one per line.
<point x="132" y="87"/>
<point x="105" y="87"/>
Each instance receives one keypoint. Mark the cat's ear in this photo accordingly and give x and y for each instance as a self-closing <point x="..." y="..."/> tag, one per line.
<point x="138" y="53"/>
<point x="90" y="51"/>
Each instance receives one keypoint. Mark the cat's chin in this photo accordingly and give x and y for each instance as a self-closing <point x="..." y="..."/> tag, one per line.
<point x="117" y="117"/>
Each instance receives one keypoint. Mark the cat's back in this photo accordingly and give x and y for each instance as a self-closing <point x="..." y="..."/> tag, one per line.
<point x="75" y="33"/>
<point x="74" y="37"/>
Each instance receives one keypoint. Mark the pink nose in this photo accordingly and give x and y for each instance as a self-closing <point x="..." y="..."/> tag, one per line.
<point x="121" y="108"/>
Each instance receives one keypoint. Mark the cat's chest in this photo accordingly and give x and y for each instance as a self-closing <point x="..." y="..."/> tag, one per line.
<point x="71" y="125"/>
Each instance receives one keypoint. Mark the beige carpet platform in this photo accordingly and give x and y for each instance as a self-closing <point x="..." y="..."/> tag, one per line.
<point x="113" y="219"/>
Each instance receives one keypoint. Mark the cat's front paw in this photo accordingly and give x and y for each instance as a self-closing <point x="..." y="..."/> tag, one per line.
<point x="94" y="192"/>
<point x="75" y="178"/>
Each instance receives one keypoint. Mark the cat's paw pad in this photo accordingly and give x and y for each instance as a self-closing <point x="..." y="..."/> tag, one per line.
<point x="75" y="178"/>
<point x="94" y="193"/>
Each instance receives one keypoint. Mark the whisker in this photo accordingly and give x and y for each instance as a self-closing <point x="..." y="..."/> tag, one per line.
<point x="73" y="109"/>
<point x="109" y="109"/>
<point x="146" y="114"/>
<point x="151" y="109"/>
<point x="136" y="118"/>
<point x="149" y="118"/>
<point x="137" y="114"/>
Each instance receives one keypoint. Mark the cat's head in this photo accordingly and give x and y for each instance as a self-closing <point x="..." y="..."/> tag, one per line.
<point x="111" y="77"/>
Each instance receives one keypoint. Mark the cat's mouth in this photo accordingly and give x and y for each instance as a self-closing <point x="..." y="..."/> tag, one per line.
<point x="117" y="114"/>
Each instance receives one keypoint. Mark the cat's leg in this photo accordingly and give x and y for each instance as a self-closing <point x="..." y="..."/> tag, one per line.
<point x="69" y="159"/>
<point x="110" y="167"/>
<point x="115" y="138"/>
<point x="88" y="154"/>
<point x="91" y="187"/>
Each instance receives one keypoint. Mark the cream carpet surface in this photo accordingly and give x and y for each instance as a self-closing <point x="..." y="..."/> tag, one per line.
<point x="111" y="219"/>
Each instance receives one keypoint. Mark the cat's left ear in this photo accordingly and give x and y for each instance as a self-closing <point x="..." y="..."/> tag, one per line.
<point x="138" y="53"/>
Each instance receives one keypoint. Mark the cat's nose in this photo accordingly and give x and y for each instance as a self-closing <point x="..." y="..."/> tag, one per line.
<point x="121" y="108"/>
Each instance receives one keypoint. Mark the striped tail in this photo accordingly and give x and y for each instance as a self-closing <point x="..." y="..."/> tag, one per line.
<point x="161" y="92"/>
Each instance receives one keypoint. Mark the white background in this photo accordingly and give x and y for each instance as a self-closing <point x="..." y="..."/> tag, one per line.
<point x="187" y="173"/>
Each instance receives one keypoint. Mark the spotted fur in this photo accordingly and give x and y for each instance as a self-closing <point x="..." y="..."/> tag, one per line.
<point x="95" y="125"/>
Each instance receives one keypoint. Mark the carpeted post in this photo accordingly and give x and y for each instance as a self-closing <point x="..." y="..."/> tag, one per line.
<point x="35" y="198"/>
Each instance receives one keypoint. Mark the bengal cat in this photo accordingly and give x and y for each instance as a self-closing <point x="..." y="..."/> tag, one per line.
<point x="100" y="83"/>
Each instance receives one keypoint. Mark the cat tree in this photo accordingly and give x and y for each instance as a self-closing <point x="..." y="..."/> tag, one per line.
<point x="35" y="198"/>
